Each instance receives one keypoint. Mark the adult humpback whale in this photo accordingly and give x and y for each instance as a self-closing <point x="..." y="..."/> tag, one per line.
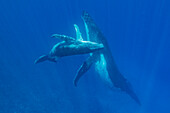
<point x="103" y="60"/>
<point x="70" y="46"/>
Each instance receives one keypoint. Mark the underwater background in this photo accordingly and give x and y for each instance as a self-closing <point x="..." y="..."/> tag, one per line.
<point x="138" y="33"/>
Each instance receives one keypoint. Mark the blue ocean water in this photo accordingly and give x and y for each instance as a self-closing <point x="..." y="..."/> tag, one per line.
<point x="138" y="33"/>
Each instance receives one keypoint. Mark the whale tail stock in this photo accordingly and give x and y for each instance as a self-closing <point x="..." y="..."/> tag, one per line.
<point x="44" y="58"/>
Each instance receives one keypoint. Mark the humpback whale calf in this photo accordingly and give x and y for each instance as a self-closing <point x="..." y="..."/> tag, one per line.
<point x="70" y="46"/>
<point x="103" y="60"/>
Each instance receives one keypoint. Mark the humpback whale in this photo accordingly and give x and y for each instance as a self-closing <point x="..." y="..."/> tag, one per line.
<point x="103" y="60"/>
<point x="70" y="46"/>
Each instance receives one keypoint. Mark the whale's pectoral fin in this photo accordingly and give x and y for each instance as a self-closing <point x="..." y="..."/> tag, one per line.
<point x="129" y="90"/>
<point x="63" y="37"/>
<point x="41" y="59"/>
<point x="84" y="68"/>
<point x="134" y="96"/>
<point x="78" y="33"/>
<point x="124" y="85"/>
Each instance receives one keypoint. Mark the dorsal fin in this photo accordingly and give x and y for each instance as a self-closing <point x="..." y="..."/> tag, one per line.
<point x="78" y="33"/>
<point x="63" y="37"/>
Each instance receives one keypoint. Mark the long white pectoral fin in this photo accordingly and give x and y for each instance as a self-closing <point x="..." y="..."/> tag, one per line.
<point x="63" y="37"/>
<point x="78" y="33"/>
<point x="84" y="68"/>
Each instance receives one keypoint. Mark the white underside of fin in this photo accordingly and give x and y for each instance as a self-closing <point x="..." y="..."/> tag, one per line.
<point x="78" y="33"/>
<point x="101" y="68"/>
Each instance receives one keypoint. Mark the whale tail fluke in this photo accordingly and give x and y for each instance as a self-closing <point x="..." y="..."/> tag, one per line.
<point x="44" y="58"/>
<point x="41" y="59"/>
